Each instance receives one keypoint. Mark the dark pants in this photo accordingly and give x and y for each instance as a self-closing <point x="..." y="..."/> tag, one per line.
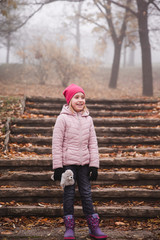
<point x="84" y="186"/>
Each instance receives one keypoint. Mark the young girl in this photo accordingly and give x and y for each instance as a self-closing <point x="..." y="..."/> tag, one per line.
<point x="74" y="147"/>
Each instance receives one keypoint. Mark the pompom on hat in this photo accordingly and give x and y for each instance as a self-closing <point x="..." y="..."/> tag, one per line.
<point x="71" y="90"/>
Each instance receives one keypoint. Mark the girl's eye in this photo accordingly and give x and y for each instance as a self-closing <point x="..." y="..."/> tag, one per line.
<point x="79" y="97"/>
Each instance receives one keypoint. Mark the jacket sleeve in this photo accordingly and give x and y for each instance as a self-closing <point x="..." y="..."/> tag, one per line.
<point x="93" y="147"/>
<point x="57" y="142"/>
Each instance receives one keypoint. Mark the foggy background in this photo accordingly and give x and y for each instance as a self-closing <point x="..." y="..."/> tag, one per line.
<point x="41" y="49"/>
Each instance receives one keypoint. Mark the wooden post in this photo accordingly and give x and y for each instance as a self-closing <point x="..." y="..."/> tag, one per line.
<point x="7" y="129"/>
<point x="23" y="102"/>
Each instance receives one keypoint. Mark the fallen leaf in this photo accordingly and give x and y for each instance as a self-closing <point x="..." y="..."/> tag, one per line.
<point x="6" y="233"/>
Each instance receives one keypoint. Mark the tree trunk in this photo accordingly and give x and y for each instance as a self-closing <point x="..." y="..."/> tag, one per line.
<point x="131" y="57"/>
<point x="145" y="48"/>
<point x="124" y="52"/>
<point x="117" y="42"/>
<point x="78" y="38"/>
<point x="41" y="73"/>
<point x="8" y="48"/>
<point x="115" y="66"/>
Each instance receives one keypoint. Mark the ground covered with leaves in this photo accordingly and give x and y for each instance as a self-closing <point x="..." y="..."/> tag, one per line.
<point x="10" y="106"/>
<point x="53" y="228"/>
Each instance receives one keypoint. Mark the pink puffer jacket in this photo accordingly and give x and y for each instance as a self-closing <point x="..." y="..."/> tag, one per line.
<point x="74" y="140"/>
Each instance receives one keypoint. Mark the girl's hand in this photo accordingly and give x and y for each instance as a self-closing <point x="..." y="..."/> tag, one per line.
<point x="58" y="173"/>
<point x="93" y="171"/>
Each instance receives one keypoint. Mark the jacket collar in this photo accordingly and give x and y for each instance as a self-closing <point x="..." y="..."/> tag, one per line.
<point x="66" y="110"/>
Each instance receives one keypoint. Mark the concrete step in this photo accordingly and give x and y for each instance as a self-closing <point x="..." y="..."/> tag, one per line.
<point x="123" y="178"/>
<point x="100" y="122"/>
<point x="45" y="164"/>
<point x="106" y="107"/>
<point x="102" y="150"/>
<point x="54" y="232"/>
<point x="55" y="195"/>
<point x="102" y="141"/>
<point x="95" y="101"/>
<point x="95" y="113"/>
<point x="103" y="211"/>
<point x="100" y="131"/>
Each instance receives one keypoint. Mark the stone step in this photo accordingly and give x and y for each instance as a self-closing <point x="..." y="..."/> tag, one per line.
<point x="102" y="150"/>
<point x="45" y="164"/>
<point x="109" y="107"/>
<point x="103" y="211"/>
<point x="94" y="113"/>
<point x="98" y="122"/>
<point x="100" y="131"/>
<point x="102" y="141"/>
<point x="55" y="195"/>
<point x="95" y="101"/>
<point x="124" y="178"/>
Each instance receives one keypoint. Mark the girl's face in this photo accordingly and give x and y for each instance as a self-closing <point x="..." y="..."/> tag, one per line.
<point x="78" y="102"/>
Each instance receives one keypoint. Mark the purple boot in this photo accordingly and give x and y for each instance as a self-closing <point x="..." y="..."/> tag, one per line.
<point x="94" y="230"/>
<point x="69" y="223"/>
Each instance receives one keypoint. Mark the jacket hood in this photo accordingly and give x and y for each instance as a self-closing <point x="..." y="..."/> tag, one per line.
<point x="66" y="110"/>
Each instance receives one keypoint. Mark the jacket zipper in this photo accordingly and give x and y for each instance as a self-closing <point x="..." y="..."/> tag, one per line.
<point x="80" y="136"/>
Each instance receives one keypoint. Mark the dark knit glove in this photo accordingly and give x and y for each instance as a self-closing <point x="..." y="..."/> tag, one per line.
<point x="58" y="174"/>
<point x="93" y="173"/>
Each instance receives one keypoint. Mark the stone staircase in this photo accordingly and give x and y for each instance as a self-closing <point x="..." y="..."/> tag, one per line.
<point x="128" y="184"/>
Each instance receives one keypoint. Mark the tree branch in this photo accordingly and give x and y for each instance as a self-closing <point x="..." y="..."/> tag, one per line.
<point x="92" y="21"/>
<point x="96" y="3"/>
<point x="126" y="7"/>
<point x="50" y="1"/>
<point x="110" y="22"/>
<point x="22" y="24"/>
<point x="124" y="24"/>
<point x="158" y="8"/>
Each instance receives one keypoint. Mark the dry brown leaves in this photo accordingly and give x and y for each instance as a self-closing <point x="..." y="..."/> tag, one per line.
<point x="10" y="224"/>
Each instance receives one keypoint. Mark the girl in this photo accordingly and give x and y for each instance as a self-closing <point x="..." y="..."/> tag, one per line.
<point x="74" y="146"/>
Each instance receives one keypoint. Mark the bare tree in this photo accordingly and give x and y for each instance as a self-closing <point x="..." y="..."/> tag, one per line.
<point x="145" y="47"/>
<point x="117" y="31"/>
<point x="117" y="40"/>
<point x="142" y="16"/>
<point x="78" y="35"/>
<point x="12" y="19"/>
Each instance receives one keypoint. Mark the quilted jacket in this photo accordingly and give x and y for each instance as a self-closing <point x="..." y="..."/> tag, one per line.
<point x="74" y="140"/>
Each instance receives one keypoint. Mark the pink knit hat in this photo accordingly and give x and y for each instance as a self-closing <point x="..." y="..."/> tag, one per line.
<point x="71" y="90"/>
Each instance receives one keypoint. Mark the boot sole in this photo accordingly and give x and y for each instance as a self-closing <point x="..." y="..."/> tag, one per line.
<point x="98" y="237"/>
<point x="69" y="238"/>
